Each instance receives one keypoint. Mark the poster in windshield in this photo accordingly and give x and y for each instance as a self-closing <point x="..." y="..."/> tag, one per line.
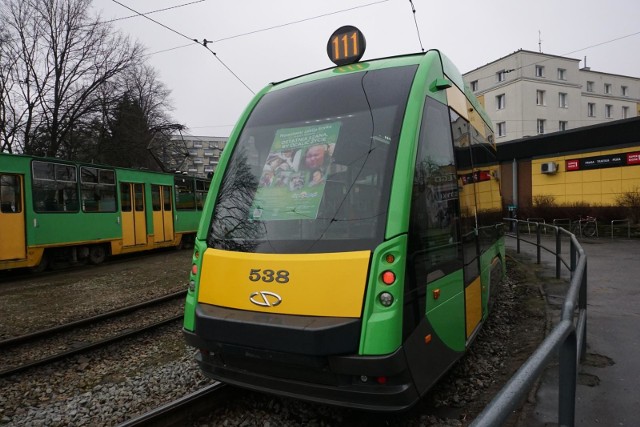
<point x="293" y="178"/>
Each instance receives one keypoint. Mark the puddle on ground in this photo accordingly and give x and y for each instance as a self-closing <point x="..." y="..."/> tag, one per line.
<point x="597" y="360"/>
<point x="588" y="379"/>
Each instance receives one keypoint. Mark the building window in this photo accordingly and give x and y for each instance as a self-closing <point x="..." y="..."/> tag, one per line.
<point x="607" y="88"/>
<point x="502" y="129"/>
<point x="625" y="112"/>
<point x="474" y="85"/>
<point x="539" y="71"/>
<point x="608" y="111"/>
<point x="625" y="91"/>
<point x="540" y="97"/>
<point x="541" y="123"/>
<point x="562" y="125"/>
<point x="591" y="109"/>
<point x="589" y="86"/>
<point x="562" y="74"/>
<point x="562" y="100"/>
<point x="500" y="102"/>
<point x="501" y="76"/>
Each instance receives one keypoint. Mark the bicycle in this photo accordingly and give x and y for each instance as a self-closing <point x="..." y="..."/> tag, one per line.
<point x="585" y="226"/>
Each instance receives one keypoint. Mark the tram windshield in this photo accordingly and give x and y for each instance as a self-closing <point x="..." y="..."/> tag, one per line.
<point x="312" y="168"/>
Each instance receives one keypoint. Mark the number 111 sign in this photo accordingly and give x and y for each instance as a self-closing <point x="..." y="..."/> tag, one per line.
<point x="346" y="45"/>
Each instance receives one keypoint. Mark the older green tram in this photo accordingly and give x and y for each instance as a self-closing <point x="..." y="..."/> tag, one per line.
<point x="56" y="210"/>
<point x="351" y="244"/>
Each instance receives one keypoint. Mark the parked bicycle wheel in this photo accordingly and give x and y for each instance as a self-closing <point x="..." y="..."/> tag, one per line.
<point x="575" y="228"/>
<point x="589" y="229"/>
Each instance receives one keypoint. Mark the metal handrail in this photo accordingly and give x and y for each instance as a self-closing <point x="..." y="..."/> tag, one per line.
<point x="622" y="221"/>
<point x="568" y="337"/>
<point x="533" y="221"/>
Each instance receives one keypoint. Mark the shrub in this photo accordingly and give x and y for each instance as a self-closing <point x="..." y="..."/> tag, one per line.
<point x="630" y="200"/>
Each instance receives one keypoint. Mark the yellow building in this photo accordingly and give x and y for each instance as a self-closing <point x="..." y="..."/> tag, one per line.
<point x="592" y="166"/>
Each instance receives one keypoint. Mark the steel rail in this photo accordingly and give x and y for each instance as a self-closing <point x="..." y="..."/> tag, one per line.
<point x="91" y="346"/>
<point x="82" y="322"/>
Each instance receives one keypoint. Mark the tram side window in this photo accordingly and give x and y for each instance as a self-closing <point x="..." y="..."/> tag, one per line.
<point x="125" y="197"/>
<point x="185" y="193"/>
<point x="55" y="187"/>
<point x="155" y="197"/>
<point x="166" y="195"/>
<point x="460" y="128"/>
<point x="139" y="197"/>
<point x="98" y="189"/>
<point x="433" y="237"/>
<point x="10" y="195"/>
<point x="485" y="178"/>
<point x="202" y="187"/>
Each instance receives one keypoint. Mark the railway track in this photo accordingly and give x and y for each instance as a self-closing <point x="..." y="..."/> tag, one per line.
<point x="63" y="267"/>
<point x="63" y="341"/>
<point x="178" y="412"/>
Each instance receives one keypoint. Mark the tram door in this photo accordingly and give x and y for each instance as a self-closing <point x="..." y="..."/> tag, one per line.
<point x="12" y="222"/>
<point x="134" y="224"/>
<point x="162" y="213"/>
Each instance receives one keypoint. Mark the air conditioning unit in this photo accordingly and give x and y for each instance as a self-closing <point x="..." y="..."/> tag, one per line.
<point x="549" y="168"/>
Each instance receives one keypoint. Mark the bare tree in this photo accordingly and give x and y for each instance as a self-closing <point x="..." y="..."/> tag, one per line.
<point x="66" y="57"/>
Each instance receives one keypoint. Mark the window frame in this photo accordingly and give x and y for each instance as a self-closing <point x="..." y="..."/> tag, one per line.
<point x="608" y="111"/>
<point x="562" y="74"/>
<point x="563" y="100"/>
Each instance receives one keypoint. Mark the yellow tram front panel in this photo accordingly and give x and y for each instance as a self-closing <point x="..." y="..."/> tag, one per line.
<point x="329" y="284"/>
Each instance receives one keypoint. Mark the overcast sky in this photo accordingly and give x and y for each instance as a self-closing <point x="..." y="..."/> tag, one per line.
<point x="209" y="99"/>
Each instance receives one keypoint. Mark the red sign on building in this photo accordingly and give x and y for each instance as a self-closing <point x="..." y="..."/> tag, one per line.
<point x="633" y="158"/>
<point x="573" y="165"/>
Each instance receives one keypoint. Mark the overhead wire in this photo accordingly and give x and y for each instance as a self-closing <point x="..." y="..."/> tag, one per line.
<point x="264" y="29"/>
<point x="299" y="21"/>
<point x="152" y="11"/>
<point x="564" y="54"/>
<point x="415" y="20"/>
<point x="204" y="42"/>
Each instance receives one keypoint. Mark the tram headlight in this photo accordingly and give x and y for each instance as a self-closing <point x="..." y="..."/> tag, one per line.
<point x="192" y="285"/>
<point x="386" y="299"/>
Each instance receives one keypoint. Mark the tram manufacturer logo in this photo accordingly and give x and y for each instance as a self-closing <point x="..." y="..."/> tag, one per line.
<point x="265" y="299"/>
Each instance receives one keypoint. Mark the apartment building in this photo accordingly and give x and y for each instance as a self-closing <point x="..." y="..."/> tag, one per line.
<point x="202" y="153"/>
<point x="530" y="93"/>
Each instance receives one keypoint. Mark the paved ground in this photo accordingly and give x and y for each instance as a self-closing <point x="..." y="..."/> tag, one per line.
<point x="608" y="391"/>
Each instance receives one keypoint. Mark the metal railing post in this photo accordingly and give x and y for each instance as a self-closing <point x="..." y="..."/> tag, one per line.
<point x="538" y="242"/>
<point x="582" y="306"/>
<point x="558" y="252"/>
<point x="568" y="374"/>
<point x="572" y="253"/>
<point x="517" y="237"/>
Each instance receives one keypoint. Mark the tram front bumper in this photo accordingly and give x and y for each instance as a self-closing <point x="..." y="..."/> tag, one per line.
<point x="377" y="383"/>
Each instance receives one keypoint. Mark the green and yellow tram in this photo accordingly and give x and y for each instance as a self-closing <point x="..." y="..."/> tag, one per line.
<point x="351" y="243"/>
<point x="53" y="210"/>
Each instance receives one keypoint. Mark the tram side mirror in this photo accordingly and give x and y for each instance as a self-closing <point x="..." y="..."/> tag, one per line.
<point x="440" y="84"/>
